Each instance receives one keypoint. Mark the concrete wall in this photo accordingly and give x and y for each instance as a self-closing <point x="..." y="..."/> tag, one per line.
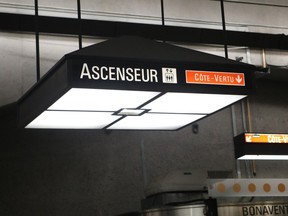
<point x="62" y="172"/>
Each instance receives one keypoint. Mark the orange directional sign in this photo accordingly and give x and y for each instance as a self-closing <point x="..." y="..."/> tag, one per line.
<point x="215" y="78"/>
<point x="266" y="138"/>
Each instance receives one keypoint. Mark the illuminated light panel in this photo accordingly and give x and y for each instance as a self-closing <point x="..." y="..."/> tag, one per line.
<point x="153" y="121"/>
<point x="97" y="108"/>
<point x="264" y="157"/>
<point x="174" y="102"/>
<point x="73" y="120"/>
<point x="101" y="99"/>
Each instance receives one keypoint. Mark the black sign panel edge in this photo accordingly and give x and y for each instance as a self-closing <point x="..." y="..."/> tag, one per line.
<point x="75" y="67"/>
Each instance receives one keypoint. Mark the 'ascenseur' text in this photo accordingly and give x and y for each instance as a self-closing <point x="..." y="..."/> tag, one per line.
<point x="118" y="73"/>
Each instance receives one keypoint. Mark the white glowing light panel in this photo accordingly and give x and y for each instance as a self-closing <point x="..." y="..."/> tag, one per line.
<point x="125" y="109"/>
<point x="263" y="157"/>
<point x="152" y="121"/>
<point x="73" y="120"/>
<point x="87" y="108"/>
<point x="101" y="99"/>
<point x="173" y="102"/>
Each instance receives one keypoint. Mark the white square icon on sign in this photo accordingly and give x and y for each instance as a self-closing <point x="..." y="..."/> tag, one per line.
<point x="169" y="75"/>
